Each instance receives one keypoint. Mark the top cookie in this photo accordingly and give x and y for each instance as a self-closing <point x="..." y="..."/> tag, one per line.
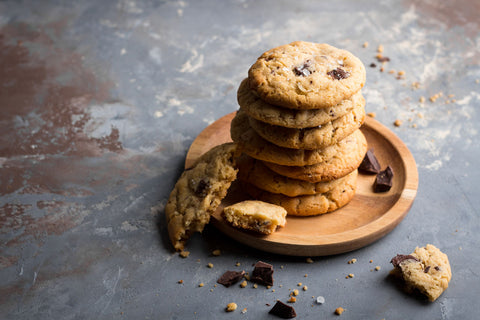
<point x="305" y="75"/>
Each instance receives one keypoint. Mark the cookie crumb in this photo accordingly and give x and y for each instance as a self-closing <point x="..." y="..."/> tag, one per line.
<point x="201" y="284"/>
<point x="309" y="260"/>
<point x="391" y="71"/>
<point x="380" y="48"/>
<point x="421" y="100"/>
<point x="370" y="261"/>
<point x="244" y="310"/>
<point x="401" y="73"/>
<point x="350" y="275"/>
<point x="232" y="306"/>
<point x="306" y="275"/>
<point x="184" y="254"/>
<point x="382" y="69"/>
<point x="216" y="252"/>
<point x="237" y="264"/>
<point x="255" y="286"/>
<point x="372" y="114"/>
<point x="295" y="292"/>
<point x="243" y="284"/>
<point x="320" y="300"/>
<point x="377" y="268"/>
<point x="398" y="123"/>
<point x="365" y="44"/>
<point x="477" y="81"/>
<point x="415" y="85"/>
<point x="339" y="311"/>
<point x="292" y="299"/>
<point x="299" y="284"/>
<point x="352" y="261"/>
<point x="305" y="288"/>
<point x="180" y="281"/>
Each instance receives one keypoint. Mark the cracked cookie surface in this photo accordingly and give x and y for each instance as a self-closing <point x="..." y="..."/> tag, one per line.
<point x="198" y="192"/>
<point x="306" y="75"/>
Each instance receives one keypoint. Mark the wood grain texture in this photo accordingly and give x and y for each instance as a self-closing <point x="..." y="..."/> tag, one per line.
<point x="367" y="218"/>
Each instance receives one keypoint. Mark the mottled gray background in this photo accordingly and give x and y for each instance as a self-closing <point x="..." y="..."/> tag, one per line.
<point x="100" y="101"/>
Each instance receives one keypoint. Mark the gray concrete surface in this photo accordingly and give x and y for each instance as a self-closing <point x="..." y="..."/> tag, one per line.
<point x="101" y="100"/>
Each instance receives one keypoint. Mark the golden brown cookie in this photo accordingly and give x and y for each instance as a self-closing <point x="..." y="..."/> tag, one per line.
<point x="310" y="205"/>
<point x="347" y="159"/>
<point x="306" y="75"/>
<point x="256" y="216"/>
<point x="427" y="270"/>
<point x="198" y="192"/>
<point x="311" y="138"/>
<point x="257" y="147"/>
<point x="258" y="109"/>
<point x="256" y="173"/>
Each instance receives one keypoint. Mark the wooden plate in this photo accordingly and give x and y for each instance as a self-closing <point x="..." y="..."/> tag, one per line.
<point x="367" y="218"/>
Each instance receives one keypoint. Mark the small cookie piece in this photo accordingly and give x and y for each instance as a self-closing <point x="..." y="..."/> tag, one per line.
<point x="257" y="216"/>
<point x="257" y="147"/>
<point x="258" y="109"/>
<point x="350" y="153"/>
<point x="427" y="270"/>
<point x="258" y="174"/>
<point x="198" y="192"/>
<point x="306" y="75"/>
<point x="311" y="138"/>
<point x="310" y="205"/>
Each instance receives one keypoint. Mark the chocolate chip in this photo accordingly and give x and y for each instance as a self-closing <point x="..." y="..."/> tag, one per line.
<point x="262" y="273"/>
<point x="373" y="65"/>
<point x="338" y="74"/>
<point x="304" y="69"/>
<point x="437" y="268"/>
<point x="283" y="310"/>
<point x="202" y="188"/>
<point x="427" y="269"/>
<point x="370" y="163"/>
<point x="230" y="277"/>
<point x="383" y="181"/>
<point x="383" y="59"/>
<point x="399" y="258"/>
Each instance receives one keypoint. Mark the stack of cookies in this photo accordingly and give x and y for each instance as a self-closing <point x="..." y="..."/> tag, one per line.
<point x="298" y="127"/>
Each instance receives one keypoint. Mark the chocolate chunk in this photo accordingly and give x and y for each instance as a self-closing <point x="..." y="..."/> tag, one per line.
<point x="383" y="181"/>
<point x="262" y="273"/>
<point x="304" y="69"/>
<point x="338" y="74"/>
<point x="283" y="310"/>
<point x="370" y="163"/>
<point x="437" y="268"/>
<point x="427" y="269"/>
<point x="230" y="277"/>
<point x="383" y="59"/>
<point x="202" y="188"/>
<point x="399" y="258"/>
<point x="373" y="65"/>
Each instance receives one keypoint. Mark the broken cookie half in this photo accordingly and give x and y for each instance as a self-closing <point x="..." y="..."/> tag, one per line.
<point x="198" y="192"/>
<point x="426" y="270"/>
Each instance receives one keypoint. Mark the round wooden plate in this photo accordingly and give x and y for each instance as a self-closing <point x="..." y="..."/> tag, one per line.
<point x="367" y="218"/>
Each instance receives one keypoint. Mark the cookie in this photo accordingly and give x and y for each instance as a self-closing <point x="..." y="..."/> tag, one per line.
<point x="310" y="205"/>
<point x="426" y="270"/>
<point x="305" y="75"/>
<point x="198" y="192"/>
<point x="258" y="109"/>
<point x="311" y="138"/>
<point x="256" y="216"/>
<point x="350" y="154"/>
<point x="256" y="173"/>
<point x="255" y="146"/>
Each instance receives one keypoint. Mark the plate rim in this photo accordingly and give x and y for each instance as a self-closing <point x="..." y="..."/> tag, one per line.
<point x="352" y="239"/>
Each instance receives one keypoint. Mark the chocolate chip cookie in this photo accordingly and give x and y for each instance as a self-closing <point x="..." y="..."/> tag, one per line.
<point x="310" y="205"/>
<point x="350" y="154"/>
<point x="198" y="192"/>
<point x="258" y="109"/>
<point x="306" y="75"/>
<point x="318" y="137"/>
<point x="426" y="270"/>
